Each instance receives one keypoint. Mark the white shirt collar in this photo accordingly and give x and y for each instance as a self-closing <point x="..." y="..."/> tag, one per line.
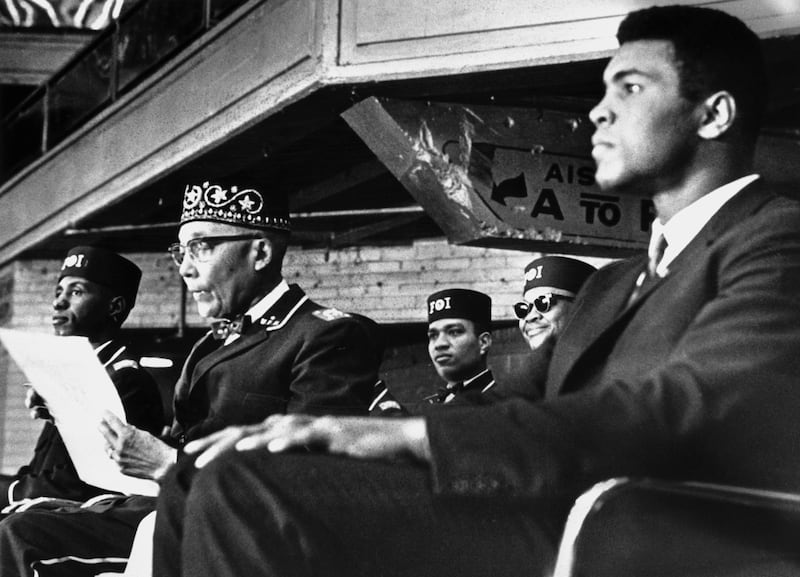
<point x="681" y="229"/>
<point x="259" y="309"/>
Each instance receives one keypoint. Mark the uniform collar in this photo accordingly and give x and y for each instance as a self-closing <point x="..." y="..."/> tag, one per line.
<point x="483" y="381"/>
<point x="261" y="307"/>
<point x="108" y="352"/>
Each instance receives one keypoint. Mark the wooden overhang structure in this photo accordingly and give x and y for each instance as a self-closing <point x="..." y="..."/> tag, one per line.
<point x="381" y="120"/>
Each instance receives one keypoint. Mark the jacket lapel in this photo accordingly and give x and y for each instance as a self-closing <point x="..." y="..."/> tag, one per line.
<point x="610" y="311"/>
<point x="200" y="350"/>
<point x="259" y="331"/>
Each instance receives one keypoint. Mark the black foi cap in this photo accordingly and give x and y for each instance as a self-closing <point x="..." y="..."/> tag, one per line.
<point x="555" y="274"/>
<point x="460" y="304"/>
<point x="103" y="267"/>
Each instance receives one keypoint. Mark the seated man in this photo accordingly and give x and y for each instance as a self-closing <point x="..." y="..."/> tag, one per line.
<point x="551" y="283"/>
<point x="271" y="350"/>
<point x="459" y="338"/>
<point x="681" y="363"/>
<point x="95" y="291"/>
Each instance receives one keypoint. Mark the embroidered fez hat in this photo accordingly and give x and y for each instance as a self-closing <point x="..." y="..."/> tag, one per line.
<point x="234" y="202"/>
<point x="558" y="275"/>
<point x="460" y="304"/>
<point x="103" y="267"/>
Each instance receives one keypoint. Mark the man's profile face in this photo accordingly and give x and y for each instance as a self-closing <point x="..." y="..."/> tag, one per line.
<point x="646" y="132"/>
<point x="81" y="307"/>
<point x="222" y="286"/>
<point x="455" y="349"/>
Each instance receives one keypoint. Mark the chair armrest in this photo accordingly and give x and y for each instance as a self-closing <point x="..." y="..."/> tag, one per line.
<point x="647" y="527"/>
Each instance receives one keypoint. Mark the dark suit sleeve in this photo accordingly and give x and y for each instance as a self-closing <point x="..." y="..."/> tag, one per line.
<point x="720" y="404"/>
<point x="140" y="397"/>
<point x="336" y="367"/>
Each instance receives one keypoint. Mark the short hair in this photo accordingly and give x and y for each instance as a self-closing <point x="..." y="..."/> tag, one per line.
<point x="481" y="327"/>
<point x="279" y="239"/>
<point x="713" y="51"/>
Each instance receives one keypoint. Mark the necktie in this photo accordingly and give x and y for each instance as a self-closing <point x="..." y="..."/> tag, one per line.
<point x="655" y="252"/>
<point x="221" y="329"/>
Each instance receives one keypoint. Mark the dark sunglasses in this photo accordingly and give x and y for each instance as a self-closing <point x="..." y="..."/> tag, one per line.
<point x="542" y="304"/>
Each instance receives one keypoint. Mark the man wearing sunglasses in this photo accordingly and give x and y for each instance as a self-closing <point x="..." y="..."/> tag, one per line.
<point x="270" y="350"/>
<point x="551" y="283"/>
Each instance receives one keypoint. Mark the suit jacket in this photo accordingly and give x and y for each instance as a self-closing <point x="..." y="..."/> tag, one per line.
<point x="51" y="472"/>
<point x="696" y="379"/>
<point x="299" y="357"/>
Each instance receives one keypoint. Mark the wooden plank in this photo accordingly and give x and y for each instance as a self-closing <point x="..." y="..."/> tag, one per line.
<point x="439" y="37"/>
<point x="499" y="176"/>
<point x="355" y="235"/>
<point x="30" y="58"/>
<point x="337" y="184"/>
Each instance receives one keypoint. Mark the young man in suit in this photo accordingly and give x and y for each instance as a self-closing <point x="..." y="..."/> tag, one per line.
<point x="95" y="291"/>
<point x="682" y="364"/>
<point x="271" y="350"/>
<point x="459" y="339"/>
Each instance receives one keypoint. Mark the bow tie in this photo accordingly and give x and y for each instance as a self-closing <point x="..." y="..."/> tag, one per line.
<point x="221" y="329"/>
<point x="441" y="395"/>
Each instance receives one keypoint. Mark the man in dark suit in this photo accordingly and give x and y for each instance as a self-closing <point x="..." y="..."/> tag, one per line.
<point x="271" y="350"/>
<point x="683" y="364"/>
<point x="95" y="292"/>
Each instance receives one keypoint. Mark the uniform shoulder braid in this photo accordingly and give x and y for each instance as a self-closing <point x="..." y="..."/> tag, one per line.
<point x="331" y="314"/>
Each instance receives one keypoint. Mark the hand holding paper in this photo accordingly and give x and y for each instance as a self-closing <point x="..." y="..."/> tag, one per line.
<point x="136" y="452"/>
<point x="36" y="404"/>
<point x="78" y="392"/>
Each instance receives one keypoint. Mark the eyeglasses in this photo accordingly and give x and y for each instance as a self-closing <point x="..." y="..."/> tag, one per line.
<point x="542" y="304"/>
<point x="200" y="248"/>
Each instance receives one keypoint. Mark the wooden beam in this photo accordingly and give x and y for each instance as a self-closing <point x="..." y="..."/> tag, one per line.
<point x="339" y="239"/>
<point x="499" y="176"/>
<point x="353" y="176"/>
<point x="30" y="58"/>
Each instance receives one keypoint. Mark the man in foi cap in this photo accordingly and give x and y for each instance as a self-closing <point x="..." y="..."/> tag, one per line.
<point x="551" y="283"/>
<point x="96" y="290"/>
<point x="459" y="338"/>
<point x="270" y="350"/>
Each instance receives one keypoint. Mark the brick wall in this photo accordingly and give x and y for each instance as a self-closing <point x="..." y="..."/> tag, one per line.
<point x="388" y="284"/>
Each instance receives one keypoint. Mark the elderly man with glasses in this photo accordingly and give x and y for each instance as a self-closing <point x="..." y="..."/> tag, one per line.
<point x="270" y="350"/>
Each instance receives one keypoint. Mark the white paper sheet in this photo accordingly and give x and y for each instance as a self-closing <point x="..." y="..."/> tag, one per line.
<point x="66" y="372"/>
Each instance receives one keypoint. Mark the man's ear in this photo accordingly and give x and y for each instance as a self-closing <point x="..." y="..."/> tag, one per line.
<point x="485" y="342"/>
<point x="117" y="307"/>
<point x="719" y="113"/>
<point x="263" y="248"/>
